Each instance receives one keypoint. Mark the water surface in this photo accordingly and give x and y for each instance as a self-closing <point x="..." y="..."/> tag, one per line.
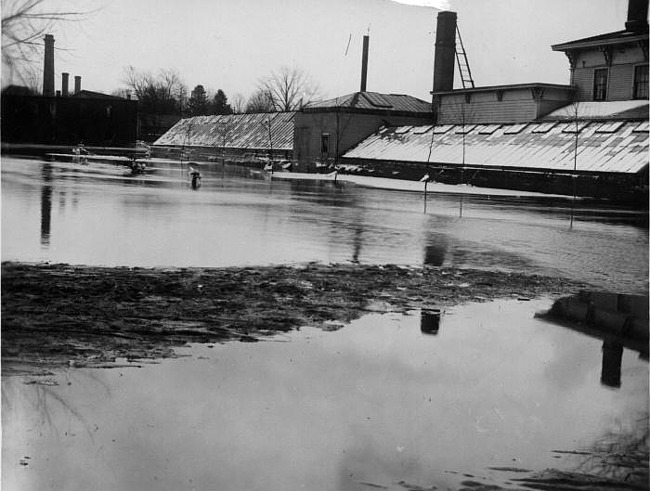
<point x="94" y="215"/>
<point x="378" y="404"/>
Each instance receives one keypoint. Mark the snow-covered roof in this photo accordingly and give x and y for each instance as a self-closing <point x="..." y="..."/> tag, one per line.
<point x="243" y="131"/>
<point x="603" y="146"/>
<point x="601" y="110"/>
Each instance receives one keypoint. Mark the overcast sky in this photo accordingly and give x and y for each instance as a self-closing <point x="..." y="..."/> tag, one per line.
<point x="230" y="44"/>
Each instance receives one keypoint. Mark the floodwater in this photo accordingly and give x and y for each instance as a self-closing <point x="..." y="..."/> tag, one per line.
<point x="391" y="401"/>
<point x="490" y="395"/>
<point x="93" y="214"/>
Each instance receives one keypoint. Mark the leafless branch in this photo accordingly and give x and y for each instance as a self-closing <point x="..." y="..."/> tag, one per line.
<point x="24" y="23"/>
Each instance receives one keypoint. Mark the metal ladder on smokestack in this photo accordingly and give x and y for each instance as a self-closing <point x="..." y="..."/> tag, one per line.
<point x="463" y="64"/>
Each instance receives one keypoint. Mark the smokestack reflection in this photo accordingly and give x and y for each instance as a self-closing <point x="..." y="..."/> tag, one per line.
<point x="430" y="321"/>
<point x="610" y="374"/>
<point x="46" y="204"/>
<point x="435" y="249"/>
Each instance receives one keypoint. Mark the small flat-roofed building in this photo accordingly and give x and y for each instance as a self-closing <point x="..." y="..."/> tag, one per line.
<point x="515" y="103"/>
<point x="325" y="130"/>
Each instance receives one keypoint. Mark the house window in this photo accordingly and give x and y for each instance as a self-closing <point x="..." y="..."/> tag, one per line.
<point x="600" y="84"/>
<point x="325" y="144"/>
<point x="641" y="82"/>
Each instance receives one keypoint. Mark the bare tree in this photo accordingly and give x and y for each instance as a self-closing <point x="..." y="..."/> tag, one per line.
<point x="238" y="104"/>
<point x="24" y="23"/>
<point x="163" y="94"/>
<point x="289" y="89"/>
<point x="260" y="102"/>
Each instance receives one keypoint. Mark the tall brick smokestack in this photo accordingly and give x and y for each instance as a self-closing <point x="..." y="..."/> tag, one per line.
<point x="637" y="16"/>
<point x="48" y="66"/>
<point x="445" y="55"/>
<point x="65" y="80"/>
<point x="364" y="63"/>
<point x="77" y="84"/>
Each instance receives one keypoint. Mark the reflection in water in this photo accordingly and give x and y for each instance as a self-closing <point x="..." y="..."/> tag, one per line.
<point x="612" y="356"/>
<point x="357" y="241"/>
<point x="430" y="321"/>
<point x="620" y="320"/>
<point x="46" y="204"/>
<point x="240" y="218"/>
<point x="371" y="405"/>
<point x="621" y="453"/>
<point x="435" y="249"/>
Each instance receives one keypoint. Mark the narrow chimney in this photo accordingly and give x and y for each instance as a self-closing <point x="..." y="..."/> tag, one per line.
<point x="77" y="84"/>
<point x="65" y="79"/>
<point x="364" y="63"/>
<point x="48" y="66"/>
<point x="445" y="55"/>
<point x="637" y="16"/>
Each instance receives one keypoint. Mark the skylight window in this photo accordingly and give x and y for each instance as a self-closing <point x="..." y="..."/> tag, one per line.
<point x="514" y="129"/>
<point x="444" y="128"/>
<point x="574" y="127"/>
<point x="610" y="127"/>
<point x="463" y="130"/>
<point x="421" y="130"/>
<point x="402" y="129"/>
<point x="543" y="127"/>
<point x="488" y="129"/>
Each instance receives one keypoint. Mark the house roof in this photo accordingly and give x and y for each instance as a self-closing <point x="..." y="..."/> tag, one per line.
<point x="372" y="101"/>
<point x="601" y="110"/>
<point x="604" y="146"/>
<point x="89" y="94"/>
<point x="494" y="88"/>
<point x="611" y="38"/>
<point x="241" y="131"/>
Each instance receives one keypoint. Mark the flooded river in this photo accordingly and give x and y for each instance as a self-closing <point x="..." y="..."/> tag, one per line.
<point x="391" y="401"/>
<point x="92" y="214"/>
<point x="379" y="404"/>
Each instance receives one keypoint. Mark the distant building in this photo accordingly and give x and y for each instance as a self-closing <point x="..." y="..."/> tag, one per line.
<point x="590" y="137"/>
<point x="235" y="137"/>
<point x="326" y="130"/>
<point x="89" y="117"/>
<point x="499" y="104"/>
<point x="64" y="118"/>
<point x="612" y="66"/>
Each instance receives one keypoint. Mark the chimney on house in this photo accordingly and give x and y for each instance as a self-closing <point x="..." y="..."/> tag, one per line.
<point x="48" y="66"/>
<point x="77" y="84"/>
<point x="637" y="16"/>
<point x="65" y="79"/>
<point x="364" y="63"/>
<point x="445" y="55"/>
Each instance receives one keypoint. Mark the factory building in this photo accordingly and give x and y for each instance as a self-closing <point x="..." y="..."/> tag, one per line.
<point x="321" y="132"/>
<point x="326" y="130"/>
<point x="589" y="138"/>
<point x="65" y="117"/>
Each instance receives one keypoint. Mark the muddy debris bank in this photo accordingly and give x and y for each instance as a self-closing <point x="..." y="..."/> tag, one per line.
<point x="57" y="315"/>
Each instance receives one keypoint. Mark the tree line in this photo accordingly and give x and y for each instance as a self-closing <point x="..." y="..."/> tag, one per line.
<point x="287" y="89"/>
